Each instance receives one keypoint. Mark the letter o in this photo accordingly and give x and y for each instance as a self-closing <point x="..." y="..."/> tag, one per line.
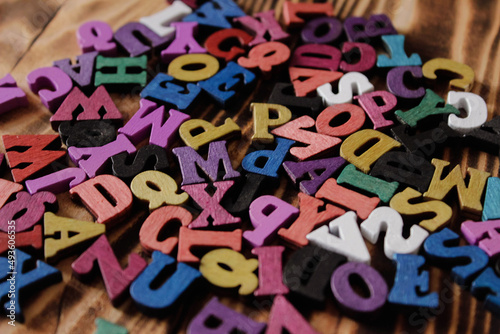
<point x="179" y="67"/>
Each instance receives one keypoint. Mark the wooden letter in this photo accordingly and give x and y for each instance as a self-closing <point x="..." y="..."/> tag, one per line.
<point x="260" y="24"/>
<point x="238" y="198"/>
<point x="156" y="222"/>
<point x="342" y="236"/>
<point x="487" y="286"/>
<point x="206" y="67"/>
<point x="210" y="204"/>
<point x="209" y="134"/>
<point x="307" y="80"/>
<point x="483" y="234"/>
<point x="94" y="160"/>
<point x="309" y="270"/>
<point x="328" y="115"/>
<point x="312" y="33"/>
<point x="310" y="217"/>
<point x="87" y="133"/>
<point x="162" y="88"/>
<point x="11" y="96"/>
<point x="148" y="157"/>
<point x="273" y="158"/>
<point x="270" y="273"/>
<point x="82" y="71"/>
<point x="267" y="214"/>
<point x="318" y="56"/>
<point x="396" y="83"/>
<point x="363" y="205"/>
<point x="390" y="221"/>
<point x="184" y="41"/>
<point x="189" y="239"/>
<point x="116" y="279"/>
<point x="327" y="167"/>
<point x="7" y="188"/>
<point x="468" y="196"/>
<point x="428" y="143"/>
<point x="383" y="189"/>
<point x="283" y="314"/>
<point x="406" y="168"/>
<point x="358" y="29"/>
<point x="229" y="320"/>
<point x="215" y="13"/>
<point x="241" y="272"/>
<point x="151" y="119"/>
<point x="219" y="86"/>
<point x="157" y="188"/>
<point x="367" y="57"/>
<point x="491" y="210"/>
<point x="161" y="22"/>
<point x="57" y="182"/>
<point x="364" y="161"/>
<point x="318" y="143"/>
<point x="118" y="71"/>
<point x="262" y="120"/>
<point x="51" y="84"/>
<point x="33" y="279"/>
<point x="31" y="238"/>
<point x="92" y="193"/>
<point x="374" y="110"/>
<point x="36" y="157"/>
<point x="265" y="56"/>
<point x="213" y="43"/>
<point x="64" y="234"/>
<point x="442" y="212"/>
<point x="474" y="106"/>
<point x="395" y="47"/>
<point x="291" y="11"/>
<point x="348" y="298"/>
<point x="189" y="160"/>
<point x="28" y="210"/>
<point x="411" y="283"/>
<point x="96" y="36"/>
<point x="351" y="83"/>
<point x="132" y="36"/>
<point x="441" y="64"/>
<point x="157" y="300"/>
<point x="466" y="261"/>
<point x="430" y="105"/>
<point x="283" y="94"/>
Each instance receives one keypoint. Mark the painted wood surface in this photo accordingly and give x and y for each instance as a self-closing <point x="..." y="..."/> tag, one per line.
<point x="33" y="34"/>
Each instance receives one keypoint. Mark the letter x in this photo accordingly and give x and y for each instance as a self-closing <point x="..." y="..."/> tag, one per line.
<point x="210" y="204"/>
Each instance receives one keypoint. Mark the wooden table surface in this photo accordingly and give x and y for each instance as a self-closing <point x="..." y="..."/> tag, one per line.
<point x="33" y="33"/>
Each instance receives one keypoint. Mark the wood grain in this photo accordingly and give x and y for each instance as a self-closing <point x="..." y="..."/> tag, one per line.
<point x="35" y="33"/>
<point x="21" y="25"/>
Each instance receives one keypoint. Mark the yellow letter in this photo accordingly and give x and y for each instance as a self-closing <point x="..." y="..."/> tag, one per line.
<point x="144" y="187"/>
<point x="262" y="120"/>
<point x="241" y="272"/>
<point x="209" y="134"/>
<point x="81" y="231"/>
<point x="380" y="144"/>
<point x="401" y="203"/>
<point x="469" y="197"/>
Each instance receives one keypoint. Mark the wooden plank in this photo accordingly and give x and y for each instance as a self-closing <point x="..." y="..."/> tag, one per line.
<point x="20" y="27"/>
<point x="432" y="29"/>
